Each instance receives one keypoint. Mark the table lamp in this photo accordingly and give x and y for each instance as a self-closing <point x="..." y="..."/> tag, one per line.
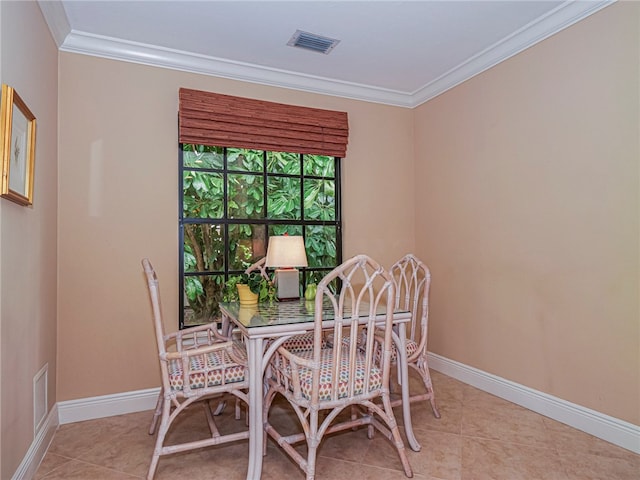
<point x="285" y="252"/>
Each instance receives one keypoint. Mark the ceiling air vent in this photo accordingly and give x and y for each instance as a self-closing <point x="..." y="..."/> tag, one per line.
<point x="311" y="41"/>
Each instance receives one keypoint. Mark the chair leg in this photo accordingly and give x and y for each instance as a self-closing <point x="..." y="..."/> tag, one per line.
<point x="434" y="407"/>
<point x="371" y="430"/>
<point x="423" y="368"/>
<point x="313" y="440"/>
<point x="222" y="404"/>
<point x="162" y="432"/>
<point x="390" y="420"/>
<point x="209" y="413"/>
<point x="220" y="408"/>
<point x="238" y="412"/>
<point x="156" y="414"/>
<point x="311" y="462"/>
<point x="153" y="467"/>
<point x="354" y="415"/>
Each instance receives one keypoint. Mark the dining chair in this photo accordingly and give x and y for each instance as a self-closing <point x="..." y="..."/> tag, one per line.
<point x="196" y="364"/>
<point x="321" y="382"/>
<point x="412" y="281"/>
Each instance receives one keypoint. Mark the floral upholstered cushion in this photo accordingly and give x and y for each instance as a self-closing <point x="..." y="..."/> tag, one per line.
<point x="326" y="362"/>
<point x="208" y="370"/>
<point x="411" y="347"/>
<point x="300" y="343"/>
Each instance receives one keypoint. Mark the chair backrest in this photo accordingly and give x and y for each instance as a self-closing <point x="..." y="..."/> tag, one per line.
<point x="366" y="290"/>
<point x="412" y="280"/>
<point x="154" y="294"/>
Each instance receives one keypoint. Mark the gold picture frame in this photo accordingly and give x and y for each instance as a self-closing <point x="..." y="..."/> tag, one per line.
<point x="17" y="148"/>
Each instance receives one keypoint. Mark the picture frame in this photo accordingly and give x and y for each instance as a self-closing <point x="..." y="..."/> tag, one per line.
<point x="17" y="147"/>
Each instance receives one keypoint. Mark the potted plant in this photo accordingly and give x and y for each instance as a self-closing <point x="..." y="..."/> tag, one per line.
<point x="249" y="289"/>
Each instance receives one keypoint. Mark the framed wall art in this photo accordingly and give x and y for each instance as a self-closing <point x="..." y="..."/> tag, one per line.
<point x="18" y="147"/>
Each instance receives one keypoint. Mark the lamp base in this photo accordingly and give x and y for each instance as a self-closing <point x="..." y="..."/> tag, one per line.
<point x="288" y="283"/>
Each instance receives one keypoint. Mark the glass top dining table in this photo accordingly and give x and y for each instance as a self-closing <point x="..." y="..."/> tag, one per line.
<point x="276" y="322"/>
<point x="272" y="314"/>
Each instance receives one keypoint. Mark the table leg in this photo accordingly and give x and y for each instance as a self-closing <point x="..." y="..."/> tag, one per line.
<point x="256" y="427"/>
<point x="226" y="327"/>
<point x="404" y="383"/>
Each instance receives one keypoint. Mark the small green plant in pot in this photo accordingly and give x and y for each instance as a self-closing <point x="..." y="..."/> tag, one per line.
<point x="262" y="289"/>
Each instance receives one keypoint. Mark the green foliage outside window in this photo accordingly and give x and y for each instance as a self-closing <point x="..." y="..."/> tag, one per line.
<point x="233" y="200"/>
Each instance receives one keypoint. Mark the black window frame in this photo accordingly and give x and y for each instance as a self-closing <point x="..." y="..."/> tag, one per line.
<point x="226" y="222"/>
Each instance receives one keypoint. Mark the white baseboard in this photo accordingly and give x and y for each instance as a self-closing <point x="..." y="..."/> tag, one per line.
<point x="31" y="461"/>
<point x="613" y="430"/>
<point x="107" y="405"/>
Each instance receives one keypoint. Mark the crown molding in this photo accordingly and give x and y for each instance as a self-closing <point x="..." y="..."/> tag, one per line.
<point x="56" y="18"/>
<point x="116" y="49"/>
<point x="558" y="19"/>
<point x="84" y="43"/>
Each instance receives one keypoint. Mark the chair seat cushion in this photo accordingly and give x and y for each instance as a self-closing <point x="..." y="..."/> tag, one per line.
<point x="219" y="365"/>
<point x="346" y="340"/>
<point x="326" y="382"/>
<point x="300" y="343"/>
<point x="411" y="347"/>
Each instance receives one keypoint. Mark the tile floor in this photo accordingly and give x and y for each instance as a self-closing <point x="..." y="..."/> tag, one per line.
<point x="478" y="437"/>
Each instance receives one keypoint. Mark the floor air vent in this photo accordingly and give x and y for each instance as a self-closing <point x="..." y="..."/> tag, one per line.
<point x="311" y="41"/>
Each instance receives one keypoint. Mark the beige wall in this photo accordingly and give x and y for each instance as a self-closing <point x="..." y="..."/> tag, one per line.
<point x="528" y="210"/>
<point x="523" y="183"/>
<point x="118" y="203"/>
<point x="28" y="59"/>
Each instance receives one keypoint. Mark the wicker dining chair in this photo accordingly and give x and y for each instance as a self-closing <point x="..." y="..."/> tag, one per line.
<point x="321" y="382"/>
<point x="412" y="281"/>
<point x="196" y="364"/>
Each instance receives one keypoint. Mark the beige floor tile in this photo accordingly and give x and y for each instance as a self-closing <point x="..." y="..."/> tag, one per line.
<point x="440" y="456"/>
<point x="277" y="465"/>
<point x="570" y="440"/>
<point x="422" y="418"/>
<point x="348" y="445"/>
<point x="77" y="470"/>
<point x="382" y="452"/>
<point x="346" y="470"/>
<point x="599" y="467"/>
<point x="49" y="463"/>
<point x="222" y="461"/>
<point x="447" y="387"/>
<point x="129" y="452"/>
<point x="73" y="439"/>
<point x="490" y="417"/>
<point x="489" y="459"/>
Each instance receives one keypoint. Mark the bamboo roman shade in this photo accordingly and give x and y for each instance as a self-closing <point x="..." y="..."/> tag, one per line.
<point x="226" y="121"/>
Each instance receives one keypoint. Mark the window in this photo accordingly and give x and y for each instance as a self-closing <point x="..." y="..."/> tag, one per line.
<point x="233" y="199"/>
<point x="238" y="186"/>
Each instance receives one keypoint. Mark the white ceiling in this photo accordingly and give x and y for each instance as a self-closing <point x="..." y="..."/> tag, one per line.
<point x="394" y="52"/>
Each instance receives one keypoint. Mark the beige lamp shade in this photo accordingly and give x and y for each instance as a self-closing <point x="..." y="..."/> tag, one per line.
<point x="286" y="251"/>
